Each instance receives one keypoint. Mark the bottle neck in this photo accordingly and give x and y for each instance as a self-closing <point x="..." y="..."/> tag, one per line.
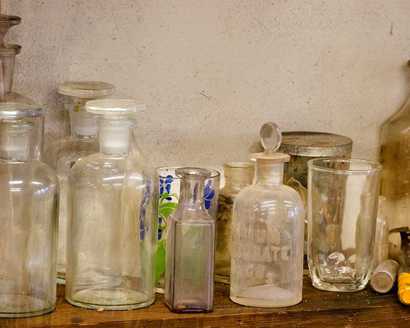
<point x="114" y="136"/>
<point x="238" y="177"/>
<point x="17" y="141"/>
<point x="6" y="73"/>
<point x="268" y="173"/>
<point x="83" y="125"/>
<point x="192" y="192"/>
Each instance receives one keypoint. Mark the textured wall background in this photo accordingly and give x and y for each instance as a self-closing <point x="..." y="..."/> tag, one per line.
<point x="211" y="72"/>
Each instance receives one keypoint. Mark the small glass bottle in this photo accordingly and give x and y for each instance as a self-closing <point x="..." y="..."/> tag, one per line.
<point x="238" y="175"/>
<point x="62" y="154"/>
<point x="28" y="216"/>
<point x="189" y="274"/>
<point x="110" y="237"/>
<point x="267" y="234"/>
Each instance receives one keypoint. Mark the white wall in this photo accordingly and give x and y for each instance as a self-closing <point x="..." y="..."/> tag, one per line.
<point x="212" y="71"/>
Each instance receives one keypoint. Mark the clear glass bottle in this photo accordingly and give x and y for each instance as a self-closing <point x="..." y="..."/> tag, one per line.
<point x="267" y="234"/>
<point x="62" y="154"/>
<point x="28" y="214"/>
<point x="395" y="158"/>
<point x="8" y="53"/>
<point x="110" y="236"/>
<point x="238" y="175"/>
<point x="189" y="274"/>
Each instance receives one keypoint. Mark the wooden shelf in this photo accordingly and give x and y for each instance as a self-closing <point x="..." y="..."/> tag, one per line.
<point x="318" y="309"/>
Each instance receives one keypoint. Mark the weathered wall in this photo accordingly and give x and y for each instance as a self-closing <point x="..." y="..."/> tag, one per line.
<point x="211" y="72"/>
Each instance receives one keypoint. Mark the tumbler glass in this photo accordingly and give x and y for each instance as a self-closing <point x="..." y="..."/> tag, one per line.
<point x="167" y="195"/>
<point x="342" y="211"/>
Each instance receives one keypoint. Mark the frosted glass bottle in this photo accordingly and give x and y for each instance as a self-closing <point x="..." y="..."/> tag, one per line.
<point x="189" y="274"/>
<point x="267" y="234"/>
<point x="62" y="154"/>
<point x="28" y="216"/>
<point x="238" y="175"/>
<point x="110" y="231"/>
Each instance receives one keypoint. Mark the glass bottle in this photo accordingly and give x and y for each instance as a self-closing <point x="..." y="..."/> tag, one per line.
<point x="62" y="154"/>
<point x="395" y="158"/>
<point x="110" y="237"/>
<point x="238" y="175"/>
<point x="8" y="53"/>
<point x="28" y="216"/>
<point x="267" y="233"/>
<point x="189" y="274"/>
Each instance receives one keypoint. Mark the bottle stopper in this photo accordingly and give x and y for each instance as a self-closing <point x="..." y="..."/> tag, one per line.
<point x="271" y="139"/>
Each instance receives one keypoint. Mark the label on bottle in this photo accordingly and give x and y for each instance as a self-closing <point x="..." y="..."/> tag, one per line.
<point x="404" y="287"/>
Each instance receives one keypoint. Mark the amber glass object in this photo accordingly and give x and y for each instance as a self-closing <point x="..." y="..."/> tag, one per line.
<point x="238" y="175"/>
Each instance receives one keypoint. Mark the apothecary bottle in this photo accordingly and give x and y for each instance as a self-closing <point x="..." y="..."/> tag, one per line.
<point x="62" y="154"/>
<point x="395" y="158"/>
<point x="238" y="175"/>
<point x="28" y="215"/>
<point x="110" y="234"/>
<point x="267" y="234"/>
<point x="189" y="274"/>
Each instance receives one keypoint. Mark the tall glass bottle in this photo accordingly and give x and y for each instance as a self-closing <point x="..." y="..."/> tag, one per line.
<point x="110" y="231"/>
<point x="238" y="175"/>
<point x="267" y="234"/>
<point x="28" y="216"/>
<point x="62" y="154"/>
<point x="395" y="158"/>
<point x="190" y="252"/>
<point x="8" y="53"/>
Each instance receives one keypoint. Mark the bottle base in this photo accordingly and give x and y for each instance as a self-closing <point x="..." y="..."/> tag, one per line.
<point x="9" y="304"/>
<point x="119" y="299"/>
<point x="338" y="287"/>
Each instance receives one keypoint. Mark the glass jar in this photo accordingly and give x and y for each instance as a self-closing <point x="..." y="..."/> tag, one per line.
<point x="28" y="214"/>
<point x="189" y="275"/>
<point x="342" y="203"/>
<point x="110" y="237"/>
<point x="63" y="153"/>
<point x="167" y="195"/>
<point x="395" y="158"/>
<point x="267" y="234"/>
<point x="238" y="175"/>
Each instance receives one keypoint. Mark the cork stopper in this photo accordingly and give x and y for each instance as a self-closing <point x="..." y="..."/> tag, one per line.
<point x="271" y="139"/>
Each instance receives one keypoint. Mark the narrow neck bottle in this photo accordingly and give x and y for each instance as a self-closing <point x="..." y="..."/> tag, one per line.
<point x="268" y="173"/>
<point x="192" y="191"/>
<point x="114" y="136"/>
<point x="17" y="141"/>
<point x="237" y="176"/>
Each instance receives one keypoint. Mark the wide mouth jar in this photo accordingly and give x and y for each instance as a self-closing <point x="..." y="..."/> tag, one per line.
<point x="345" y="166"/>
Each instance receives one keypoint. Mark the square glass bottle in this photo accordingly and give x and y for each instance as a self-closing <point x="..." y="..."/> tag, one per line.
<point x="189" y="274"/>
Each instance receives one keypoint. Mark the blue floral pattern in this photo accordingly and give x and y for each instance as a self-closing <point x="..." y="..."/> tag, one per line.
<point x="209" y="194"/>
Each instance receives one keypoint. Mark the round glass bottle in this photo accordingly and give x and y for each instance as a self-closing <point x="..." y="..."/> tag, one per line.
<point x="110" y="240"/>
<point x="28" y="212"/>
<point x="395" y="158"/>
<point x="62" y="154"/>
<point x="238" y="175"/>
<point x="267" y="234"/>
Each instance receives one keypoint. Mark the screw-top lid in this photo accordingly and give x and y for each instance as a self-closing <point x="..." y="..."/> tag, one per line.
<point x="12" y="110"/>
<point x="271" y="138"/>
<point x="86" y="89"/>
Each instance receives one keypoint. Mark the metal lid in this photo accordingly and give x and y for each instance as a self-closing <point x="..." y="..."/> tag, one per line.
<point x="12" y="110"/>
<point x="86" y="89"/>
<point x="315" y="144"/>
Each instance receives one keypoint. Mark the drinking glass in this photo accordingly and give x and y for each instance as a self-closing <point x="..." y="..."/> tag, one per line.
<point x="342" y="211"/>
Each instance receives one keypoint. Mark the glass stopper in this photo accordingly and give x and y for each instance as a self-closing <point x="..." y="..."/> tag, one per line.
<point x="271" y="137"/>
